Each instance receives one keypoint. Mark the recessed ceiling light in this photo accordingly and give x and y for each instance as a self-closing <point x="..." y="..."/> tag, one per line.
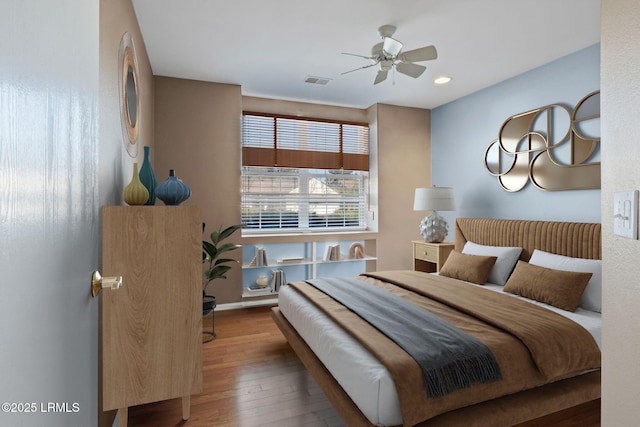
<point x="442" y="80"/>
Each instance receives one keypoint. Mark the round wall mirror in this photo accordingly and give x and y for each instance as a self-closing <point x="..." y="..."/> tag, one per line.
<point x="129" y="94"/>
<point x="132" y="97"/>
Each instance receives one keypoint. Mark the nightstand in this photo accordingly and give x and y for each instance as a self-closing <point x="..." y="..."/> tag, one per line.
<point x="429" y="257"/>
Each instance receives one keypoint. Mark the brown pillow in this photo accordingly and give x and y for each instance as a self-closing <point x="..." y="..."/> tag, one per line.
<point x="471" y="268"/>
<point x="560" y="288"/>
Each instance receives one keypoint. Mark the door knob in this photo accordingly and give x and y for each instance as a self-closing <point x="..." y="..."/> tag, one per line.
<point x="98" y="282"/>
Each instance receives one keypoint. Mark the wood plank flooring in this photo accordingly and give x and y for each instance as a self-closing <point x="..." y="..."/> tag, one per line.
<point x="252" y="378"/>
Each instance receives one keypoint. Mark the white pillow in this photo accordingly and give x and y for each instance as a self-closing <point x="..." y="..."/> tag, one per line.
<point x="507" y="258"/>
<point x="592" y="296"/>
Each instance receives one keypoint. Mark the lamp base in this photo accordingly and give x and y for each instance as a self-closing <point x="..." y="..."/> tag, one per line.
<point x="434" y="228"/>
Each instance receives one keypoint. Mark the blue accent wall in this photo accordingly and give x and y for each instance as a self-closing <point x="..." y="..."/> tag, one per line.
<point x="462" y="130"/>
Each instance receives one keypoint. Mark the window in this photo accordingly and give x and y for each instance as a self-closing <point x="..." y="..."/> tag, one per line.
<point x="303" y="174"/>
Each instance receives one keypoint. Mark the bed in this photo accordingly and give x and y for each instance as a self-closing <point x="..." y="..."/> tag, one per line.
<point x="367" y="389"/>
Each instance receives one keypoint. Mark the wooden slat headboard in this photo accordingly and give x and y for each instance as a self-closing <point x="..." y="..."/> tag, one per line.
<point x="574" y="239"/>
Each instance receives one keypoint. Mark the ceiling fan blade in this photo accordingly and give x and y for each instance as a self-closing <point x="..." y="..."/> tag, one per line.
<point x="359" y="56"/>
<point x="410" y="69"/>
<point x="391" y="46"/>
<point x="381" y="76"/>
<point x="360" y="68"/>
<point x="426" y="53"/>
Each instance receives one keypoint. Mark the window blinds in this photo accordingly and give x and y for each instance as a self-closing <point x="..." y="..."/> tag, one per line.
<point x="302" y="199"/>
<point x="292" y="142"/>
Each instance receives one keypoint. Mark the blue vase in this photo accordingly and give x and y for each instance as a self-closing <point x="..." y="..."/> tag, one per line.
<point x="173" y="191"/>
<point x="147" y="177"/>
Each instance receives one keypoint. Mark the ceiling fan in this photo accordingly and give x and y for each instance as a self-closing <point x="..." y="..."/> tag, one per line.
<point x="388" y="55"/>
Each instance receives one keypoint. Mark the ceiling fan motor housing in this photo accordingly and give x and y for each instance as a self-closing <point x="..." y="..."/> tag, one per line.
<point x="386" y="30"/>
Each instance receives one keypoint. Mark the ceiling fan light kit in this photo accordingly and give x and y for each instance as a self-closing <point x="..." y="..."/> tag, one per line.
<point x="388" y="55"/>
<point x="391" y="47"/>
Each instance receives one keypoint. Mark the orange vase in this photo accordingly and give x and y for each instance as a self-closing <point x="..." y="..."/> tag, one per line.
<point x="135" y="193"/>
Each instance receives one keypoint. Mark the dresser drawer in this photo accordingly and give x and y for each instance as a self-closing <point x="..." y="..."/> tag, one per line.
<point x="426" y="252"/>
<point x="429" y="257"/>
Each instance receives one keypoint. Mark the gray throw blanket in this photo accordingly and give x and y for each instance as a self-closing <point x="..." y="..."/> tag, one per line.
<point x="450" y="359"/>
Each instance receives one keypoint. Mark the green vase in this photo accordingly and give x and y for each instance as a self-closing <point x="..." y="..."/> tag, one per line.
<point x="135" y="193"/>
<point x="148" y="177"/>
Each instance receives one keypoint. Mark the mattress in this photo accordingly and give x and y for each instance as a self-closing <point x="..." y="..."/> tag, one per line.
<point x="367" y="382"/>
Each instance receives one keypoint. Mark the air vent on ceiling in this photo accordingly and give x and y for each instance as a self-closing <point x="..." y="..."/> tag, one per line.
<point x="317" y="80"/>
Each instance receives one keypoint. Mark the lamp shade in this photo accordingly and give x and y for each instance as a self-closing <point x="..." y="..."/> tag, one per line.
<point x="434" y="199"/>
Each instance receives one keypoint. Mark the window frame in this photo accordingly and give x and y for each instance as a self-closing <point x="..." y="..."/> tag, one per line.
<point x="305" y="174"/>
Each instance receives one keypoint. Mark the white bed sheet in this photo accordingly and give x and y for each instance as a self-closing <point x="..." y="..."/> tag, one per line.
<point x="367" y="382"/>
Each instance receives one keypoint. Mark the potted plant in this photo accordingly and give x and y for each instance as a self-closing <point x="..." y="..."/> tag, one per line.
<point x="216" y="267"/>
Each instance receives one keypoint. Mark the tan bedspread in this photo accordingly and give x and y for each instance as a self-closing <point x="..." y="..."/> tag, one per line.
<point x="532" y="345"/>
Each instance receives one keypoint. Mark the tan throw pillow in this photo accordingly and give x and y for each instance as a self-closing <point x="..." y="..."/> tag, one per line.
<point x="562" y="289"/>
<point x="507" y="258"/>
<point x="471" y="268"/>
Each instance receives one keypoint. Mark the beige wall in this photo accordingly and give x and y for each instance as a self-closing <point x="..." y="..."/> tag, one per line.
<point x="620" y="106"/>
<point x="197" y="128"/>
<point x="303" y="109"/>
<point x="115" y="164"/>
<point x="404" y="163"/>
<point x="117" y="17"/>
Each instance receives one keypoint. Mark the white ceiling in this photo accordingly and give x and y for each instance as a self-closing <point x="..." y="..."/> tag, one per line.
<point x="270" y="46"/>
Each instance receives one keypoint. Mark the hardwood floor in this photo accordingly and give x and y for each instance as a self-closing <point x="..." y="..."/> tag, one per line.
<point x="253" y="378"/>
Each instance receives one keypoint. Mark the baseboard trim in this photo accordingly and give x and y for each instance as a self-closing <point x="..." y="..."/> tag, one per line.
<point x="246" y="304"/>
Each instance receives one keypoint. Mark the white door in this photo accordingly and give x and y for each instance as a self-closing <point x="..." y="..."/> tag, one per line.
<point x="49" y="218"/>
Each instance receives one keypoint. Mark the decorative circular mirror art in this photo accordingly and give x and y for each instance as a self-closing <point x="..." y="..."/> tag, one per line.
<point x="129" y="89"/>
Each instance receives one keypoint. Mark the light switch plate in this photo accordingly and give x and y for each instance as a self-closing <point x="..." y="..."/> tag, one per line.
<point x="625" y="214"/>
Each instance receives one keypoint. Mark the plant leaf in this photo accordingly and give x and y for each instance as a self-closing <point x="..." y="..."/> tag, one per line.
<point x="228" y="247"/>
<point x="223" y="234"/>
<point x="210" y="249"/>
<point x="223" y="260"/>
<point x="218" y="272"/>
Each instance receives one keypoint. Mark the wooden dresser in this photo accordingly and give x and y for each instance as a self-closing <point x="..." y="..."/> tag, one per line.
<point x="152" y="325"/>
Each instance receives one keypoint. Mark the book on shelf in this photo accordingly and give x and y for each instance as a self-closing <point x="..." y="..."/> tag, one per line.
<point x="260" y="260"/>
<point x="257" y="291"/>
<point x="290" y="260"/>
<point x="278" y="279"/>
<point x="331" y="253"/>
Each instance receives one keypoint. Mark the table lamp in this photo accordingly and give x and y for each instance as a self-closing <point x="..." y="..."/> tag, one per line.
<point x="434" y="228"/>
